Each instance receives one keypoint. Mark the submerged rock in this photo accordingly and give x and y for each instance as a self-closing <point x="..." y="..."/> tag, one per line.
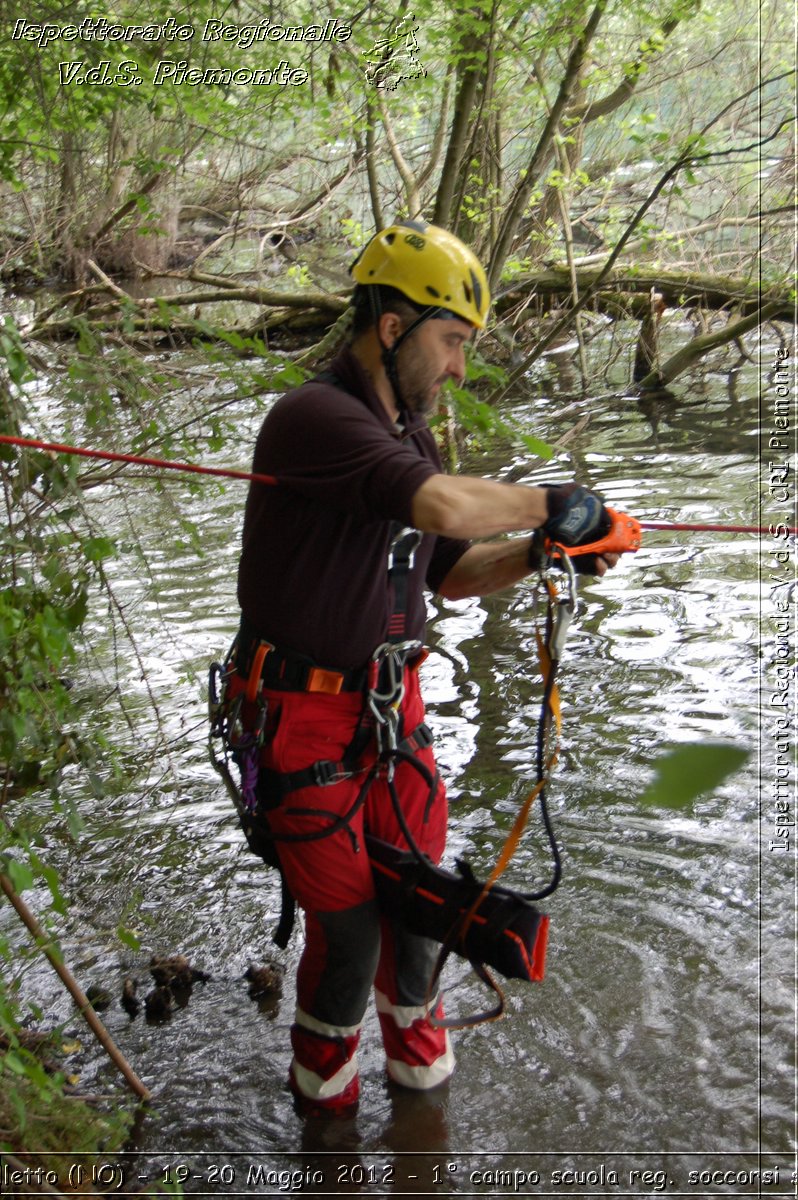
<point x="264" y="981"/>
<point x="175" y="971"/>
<point x="98" y="997"/>
<point x="159" y="1003"/>
<point x="129" y="1000"/>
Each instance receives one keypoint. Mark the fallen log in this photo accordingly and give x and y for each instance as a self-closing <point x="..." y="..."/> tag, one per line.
<point x="679" y="289"/>
<point x="621" y="293"/>
<point x="104" y="305"/>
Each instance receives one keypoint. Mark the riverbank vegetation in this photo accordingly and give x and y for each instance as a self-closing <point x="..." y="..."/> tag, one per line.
<point x="591" y="155"/>
<point x="626" y="166"/>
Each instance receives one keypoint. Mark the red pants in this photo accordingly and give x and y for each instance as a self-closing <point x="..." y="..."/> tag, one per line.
<point x="349" y="947"/>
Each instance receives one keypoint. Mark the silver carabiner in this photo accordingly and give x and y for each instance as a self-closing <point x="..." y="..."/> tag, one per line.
<point x="391" y="658"/>
<point x="414" y="545"/>
<point x="566" y="602"/>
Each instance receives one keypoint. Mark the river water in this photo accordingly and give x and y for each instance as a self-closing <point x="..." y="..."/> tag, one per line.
<point x="657" y="1056"/>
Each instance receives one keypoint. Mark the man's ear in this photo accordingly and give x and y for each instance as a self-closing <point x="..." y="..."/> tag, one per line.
<point x="389" y="328"/>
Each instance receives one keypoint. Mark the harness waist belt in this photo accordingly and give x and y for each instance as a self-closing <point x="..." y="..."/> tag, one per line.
<point x="260" y="662"/>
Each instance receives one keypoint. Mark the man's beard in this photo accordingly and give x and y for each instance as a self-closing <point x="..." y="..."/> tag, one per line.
<point x="418" y="393"/>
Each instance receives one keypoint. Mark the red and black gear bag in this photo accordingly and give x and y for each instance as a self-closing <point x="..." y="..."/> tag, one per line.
<point x="506" y="932"/>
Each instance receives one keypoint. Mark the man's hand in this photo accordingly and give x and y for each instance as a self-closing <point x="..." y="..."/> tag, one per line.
<point x="576" y="518"/>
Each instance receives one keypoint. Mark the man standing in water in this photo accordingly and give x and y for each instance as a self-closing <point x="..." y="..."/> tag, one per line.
<point x="325" y="622"/>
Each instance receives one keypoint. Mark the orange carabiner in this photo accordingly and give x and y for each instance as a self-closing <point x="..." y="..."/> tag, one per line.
<point x="253" y="680"/>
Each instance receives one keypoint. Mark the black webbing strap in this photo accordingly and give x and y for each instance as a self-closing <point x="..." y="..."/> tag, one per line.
<point x="285" y="926"/>
<point x="285" y="671"/>
<point x="401" y="557"/>
<point x="327" y="772"/>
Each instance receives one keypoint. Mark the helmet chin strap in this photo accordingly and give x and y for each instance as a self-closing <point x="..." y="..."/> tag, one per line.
<point x="389" y="353"/>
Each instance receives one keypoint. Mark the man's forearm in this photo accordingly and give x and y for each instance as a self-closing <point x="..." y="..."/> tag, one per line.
<point x="463" y="506"/>
<point x="487" y="568"/>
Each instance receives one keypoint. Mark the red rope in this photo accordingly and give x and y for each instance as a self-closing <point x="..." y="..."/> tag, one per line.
<point x="272" y="480"/>
<point x="161" y="463"/>
<point x="712" y="528"/>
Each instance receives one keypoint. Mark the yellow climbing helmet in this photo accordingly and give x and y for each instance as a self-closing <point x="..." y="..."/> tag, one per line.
<point x="430" y="266"/>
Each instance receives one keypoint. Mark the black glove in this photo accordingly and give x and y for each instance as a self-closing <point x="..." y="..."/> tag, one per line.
<point x="576" y="518"/>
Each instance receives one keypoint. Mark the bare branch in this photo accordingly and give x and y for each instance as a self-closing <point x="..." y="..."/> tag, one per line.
<point x="605" y="105"/>
<point x="525" y="184"/>
<point x="440" y="131"/>
<point x="405" y="171"/>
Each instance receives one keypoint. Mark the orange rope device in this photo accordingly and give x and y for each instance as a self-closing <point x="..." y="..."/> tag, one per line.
<point x="624" y="537"/>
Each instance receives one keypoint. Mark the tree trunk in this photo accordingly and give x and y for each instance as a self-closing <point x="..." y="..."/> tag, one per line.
<point x="477" y="196"/>
<point x="647" y="349"/>
<point x="699" y="346"/>
<point x="471" y="74"/>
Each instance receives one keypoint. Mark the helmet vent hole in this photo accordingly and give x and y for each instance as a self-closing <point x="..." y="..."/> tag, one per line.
<point x="477" y="292"/>
<point x="434" y="292"/>
<point x="390" y="238"/>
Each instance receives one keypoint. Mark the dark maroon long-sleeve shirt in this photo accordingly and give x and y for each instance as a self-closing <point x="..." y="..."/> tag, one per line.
<point x="313" y="572"/>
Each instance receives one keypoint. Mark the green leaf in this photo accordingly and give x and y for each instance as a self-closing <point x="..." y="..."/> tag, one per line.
<point x="98" y="548"/>
<point x="290" y="376"/>
<point x="75" y="614"/>
<point x="536" y="446"/>
<point x="691" y="770"/>
<point x="15" y="1064"/>
<point x="128" y="937"/>
<point x="20" y="875"/>
<point x="50" y="876"/>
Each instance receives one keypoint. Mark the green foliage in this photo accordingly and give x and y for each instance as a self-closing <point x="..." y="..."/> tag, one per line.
<point x="692" y="770"/>
<point x="55" y="551"/>
<point x="37" y="1119"/>
<point x="299" y="274"/>
<point x="482" y="421"/>
<point x="82" y="153"/>
<point x="47" y="568"/>
<point x="354" y="233"/>
<point x="12" y="352"/>
<point x="42" y="605"/>
<point x="36" y="1116"/>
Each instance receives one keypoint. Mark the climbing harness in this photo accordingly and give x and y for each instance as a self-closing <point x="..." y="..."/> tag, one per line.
<point x="489" y="925"/>
<point x="239" y="721"/>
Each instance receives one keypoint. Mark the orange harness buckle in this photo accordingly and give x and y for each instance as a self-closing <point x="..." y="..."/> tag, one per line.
<point x="255" y="671"/>
<point x="329" y="683"/>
